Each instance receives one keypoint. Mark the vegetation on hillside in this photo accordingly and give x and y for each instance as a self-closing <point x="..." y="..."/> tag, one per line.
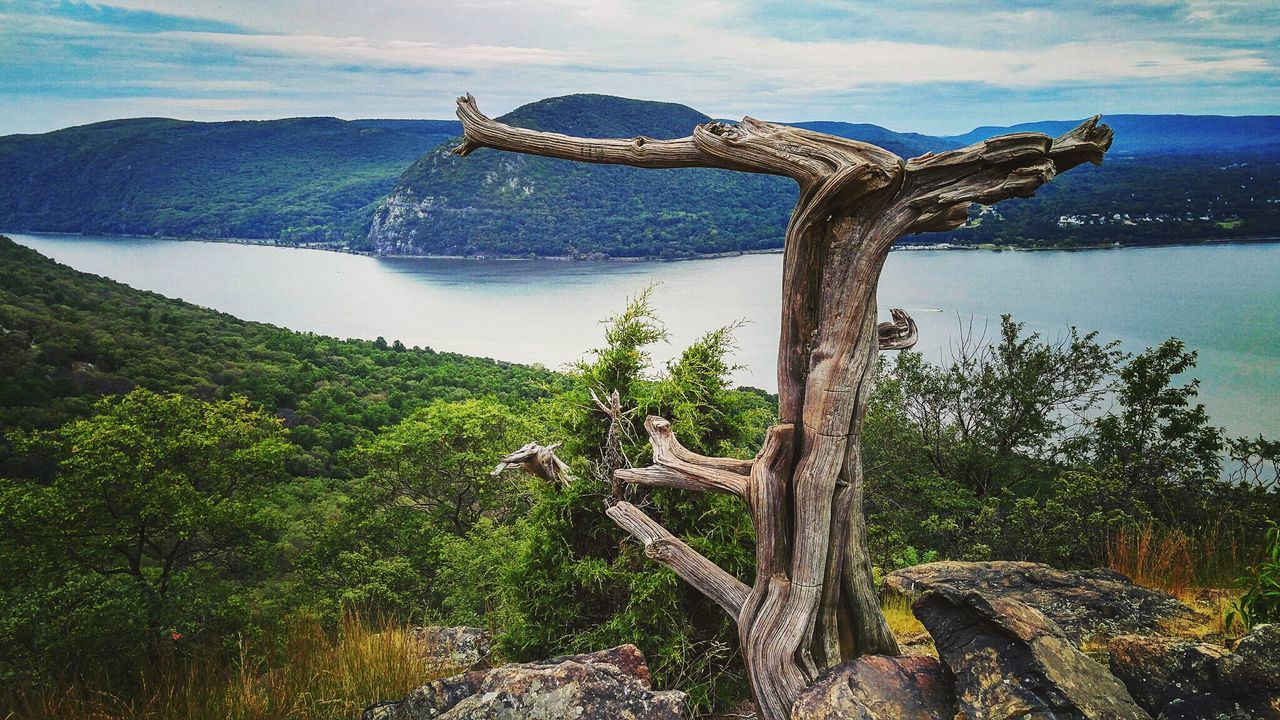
<point x="300" y="180"/>
<point x="333" y="183"/>
<point x="494" y="203"/>
<point x="178" y="485"/>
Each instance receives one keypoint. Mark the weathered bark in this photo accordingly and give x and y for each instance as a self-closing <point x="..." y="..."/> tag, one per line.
<point x="539" y="461"/>
<point x="812" y="603"/>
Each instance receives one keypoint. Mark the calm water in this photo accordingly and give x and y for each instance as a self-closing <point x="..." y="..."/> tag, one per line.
<point x="1220" y="300"/>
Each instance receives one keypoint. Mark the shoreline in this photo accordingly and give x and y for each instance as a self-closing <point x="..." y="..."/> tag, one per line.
<point x="923" y="247"/>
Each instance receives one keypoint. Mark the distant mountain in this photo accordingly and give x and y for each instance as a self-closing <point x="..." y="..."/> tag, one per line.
<point x="508" y="204"/>
<point x="906" y="145"/>
<point x="391" y="186"/>
<point x="301" y="179"/>
<point x="1162" y="134"/>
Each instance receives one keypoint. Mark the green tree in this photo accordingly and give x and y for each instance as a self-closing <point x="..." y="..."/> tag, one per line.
<point x="1000" y="412"/>
<point x="1160" y="443"/>
<point x="438" y="461"/>
<point x="144" y="498"/>
<point x="573" y="583"/>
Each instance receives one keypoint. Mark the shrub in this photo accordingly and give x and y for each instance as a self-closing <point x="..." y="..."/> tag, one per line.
<point x="1260" y="602"/>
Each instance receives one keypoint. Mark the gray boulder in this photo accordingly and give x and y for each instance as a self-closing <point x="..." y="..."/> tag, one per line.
<point x="877" y="687"/>
<point x="1180" y="679"/>
<point x="1088" y="605"/>
<point x="454" y="648"/>
<point x="1010" y="661"/>
<point x="607" y="685"/>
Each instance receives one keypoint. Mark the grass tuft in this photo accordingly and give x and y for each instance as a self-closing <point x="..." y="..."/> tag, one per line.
<point x="317" y="675"/>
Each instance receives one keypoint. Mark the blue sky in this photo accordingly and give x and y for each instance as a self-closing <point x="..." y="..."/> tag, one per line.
<point x="913" y="65"/>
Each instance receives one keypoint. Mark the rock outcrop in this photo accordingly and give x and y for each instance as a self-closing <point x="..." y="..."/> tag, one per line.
<point x="1180" y="679"/>
<point x="1090" y="605"/>
<point x="611" y="684"/>
<point x="876" y="687"/>
<point x="459" y="648"/>
<point x="1010" y="661"/>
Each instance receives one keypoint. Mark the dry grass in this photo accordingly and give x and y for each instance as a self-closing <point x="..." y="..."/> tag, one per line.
<point x="317" y="676"/>
<point x="1153" y="557"/>
<point x="1210" y="624"/>
<point x="1176" y="561"/>
<point x="902" y="623"/>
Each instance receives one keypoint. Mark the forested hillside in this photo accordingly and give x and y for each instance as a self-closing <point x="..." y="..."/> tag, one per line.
<point x="391" y="186"/>
<point x="1178" y="179"/>
<point x="181" y="491"/>
<point x="67" y="338"/>
<point x="505" y="204"/>
<point x="295" y="180"/>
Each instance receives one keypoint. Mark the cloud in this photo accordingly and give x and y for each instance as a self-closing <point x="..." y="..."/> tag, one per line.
<point x="921" y="65"/>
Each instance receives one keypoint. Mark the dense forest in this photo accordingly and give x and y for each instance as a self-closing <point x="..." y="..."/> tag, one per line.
<point x="391" y="186"/>
<point x="296" y="180"/>
<point x="174" y="480"/>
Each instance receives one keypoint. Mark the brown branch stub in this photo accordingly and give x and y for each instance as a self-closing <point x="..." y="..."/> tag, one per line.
<point x="539" y="461"/>
<point x="675" y="466"/>
<point x="1087" y="142"/>
<point x="900" y="334"/>
<point x="660" y="545"/>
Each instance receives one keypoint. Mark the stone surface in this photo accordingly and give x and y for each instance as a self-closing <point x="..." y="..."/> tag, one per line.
<point x="461" y="648"/>
<point x="1010" y="661"/>
<point x="611" y="684"/>
<point x="1091" y="605"/>
<point x="876" y="687"/>
<point x="1180" y="679"/>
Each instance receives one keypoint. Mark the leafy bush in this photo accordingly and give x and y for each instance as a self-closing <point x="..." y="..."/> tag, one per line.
<point x="1260" y="602"/>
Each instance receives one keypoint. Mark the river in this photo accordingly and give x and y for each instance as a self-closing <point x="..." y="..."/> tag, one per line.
<point x="1220" y="299"/>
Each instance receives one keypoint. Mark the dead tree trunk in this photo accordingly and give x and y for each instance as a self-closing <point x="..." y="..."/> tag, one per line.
<point x="812" y="603"/>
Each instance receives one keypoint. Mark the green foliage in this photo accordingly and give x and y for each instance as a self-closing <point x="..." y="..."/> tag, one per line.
<point x="1010" y="452"/>
<point x="274" y="475"/>
<point x="1161" y="444"/>
<point x="437" y="462"/>
<point x="1260" y="602"/>
<point x="300" y="180"/>
<point x="1067" y="526"/>
<point x="140" y="500"/>
<point x="999" y="412"/>
<point x="69" y="338"/>
<point x="574" y="583"/>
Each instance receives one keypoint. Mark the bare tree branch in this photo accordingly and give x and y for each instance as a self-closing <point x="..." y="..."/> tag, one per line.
<point x="942" y="187"/>
<point x="676" y="466"/>
<point x="479" y="131"/>
<point x="705" y="576"/>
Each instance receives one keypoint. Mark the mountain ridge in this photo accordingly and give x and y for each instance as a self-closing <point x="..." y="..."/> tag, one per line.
<point x="390" y="186"/>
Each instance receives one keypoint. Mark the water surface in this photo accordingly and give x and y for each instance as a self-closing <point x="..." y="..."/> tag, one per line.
<point x="1220" y="299"/>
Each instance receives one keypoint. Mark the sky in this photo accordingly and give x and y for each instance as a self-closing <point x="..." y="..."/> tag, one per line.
<point x="910" y="65"/>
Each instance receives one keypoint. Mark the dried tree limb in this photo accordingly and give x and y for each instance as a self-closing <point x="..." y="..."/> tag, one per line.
<point x="676" y="466"/>
<point x="900" y="334"/>
<point x="479" y="131"/>
<point x="539" y="461"/>
<point x="941" y="187"/>
<point x="725" y="590"/>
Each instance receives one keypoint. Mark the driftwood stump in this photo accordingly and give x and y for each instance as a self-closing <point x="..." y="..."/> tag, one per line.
<point x="812" y="603"/>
